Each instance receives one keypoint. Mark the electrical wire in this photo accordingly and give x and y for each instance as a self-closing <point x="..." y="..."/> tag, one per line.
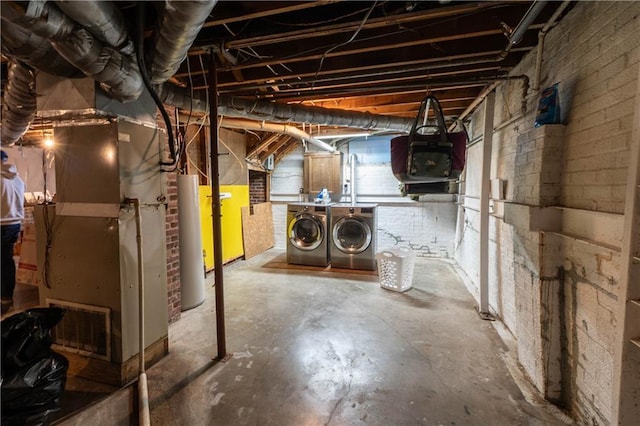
<point x="355" y="34"/>
<point x="241" y="162"/>
<point x="47" y="225"/>
<point x="187" y="149"/>
<point x="187" y="144"/>
<point x="145" y="78"/>
<point x="315" y="24"/>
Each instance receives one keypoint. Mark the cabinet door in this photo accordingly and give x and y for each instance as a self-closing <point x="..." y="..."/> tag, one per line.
<point x="323" y="170"/>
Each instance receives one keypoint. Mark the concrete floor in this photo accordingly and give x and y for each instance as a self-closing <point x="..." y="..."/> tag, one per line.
<point x="312" y="347"/>
<point x="319" y="348"/>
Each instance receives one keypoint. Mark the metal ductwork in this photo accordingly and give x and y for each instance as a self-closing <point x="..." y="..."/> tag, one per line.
<point x="38" y="17"/>
<point x="181" y="98"/>
<point x="102" y="19"/>
<point x="238" y="107"/>
<point x="77" y="48"/>
<point x="19" y="106"/>
<point x="33" y="50"/>
<point x="179" y="24"/>
<point x="118" y="74"/>
<point x="283" y="113"/>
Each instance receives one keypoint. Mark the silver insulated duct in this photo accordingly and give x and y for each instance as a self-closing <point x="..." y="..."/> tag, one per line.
<point x="19" y="103"/>
<point x="102" y="19"/>
<point x="33" y="50"/>
<point x="180" y="23"/>
<point x="283" y="113"/>
<point x="118" y="74"/>
<point x="238" y="107"/>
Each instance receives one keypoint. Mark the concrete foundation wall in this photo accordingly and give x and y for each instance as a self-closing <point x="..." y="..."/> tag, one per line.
<point x="564" y="325"/>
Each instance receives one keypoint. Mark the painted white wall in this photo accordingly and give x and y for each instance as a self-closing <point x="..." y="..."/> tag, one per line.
<point x="594" y="55"/>
<point x="29" y="162"/>
<point x="427" y="226"/>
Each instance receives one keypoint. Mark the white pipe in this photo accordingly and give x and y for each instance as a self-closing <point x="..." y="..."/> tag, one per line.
<point x="534" y="10"/>
<point x="238" y="123"/>
<point x="527" y="20"/>
<point x="352" y="163"/>
<point x="541" y="35"/>
<point x="476" y="102"/>
<point x="143" y="394"/>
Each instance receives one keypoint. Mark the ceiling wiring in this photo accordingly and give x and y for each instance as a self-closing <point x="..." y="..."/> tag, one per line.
<point x="355" y="34"/>
<point x="323" y="22"/>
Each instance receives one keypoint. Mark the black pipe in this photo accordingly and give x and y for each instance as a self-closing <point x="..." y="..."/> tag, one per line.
<point x="215" y="204"/>
<point x="147" y="83"/>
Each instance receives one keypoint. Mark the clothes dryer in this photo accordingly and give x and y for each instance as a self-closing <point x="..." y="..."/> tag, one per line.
<point x="353" y="236"/>
<point x="307" y="234"/>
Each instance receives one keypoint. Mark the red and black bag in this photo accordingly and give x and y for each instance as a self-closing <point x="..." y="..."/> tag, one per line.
<point x="429" y="153"/>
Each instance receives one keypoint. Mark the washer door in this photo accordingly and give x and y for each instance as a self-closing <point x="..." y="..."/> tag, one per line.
<point x="305" y="232"/>
<point x="351" y="235"/>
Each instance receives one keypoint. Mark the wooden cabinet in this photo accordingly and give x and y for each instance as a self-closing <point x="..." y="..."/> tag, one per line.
<point x="323" y="170"/>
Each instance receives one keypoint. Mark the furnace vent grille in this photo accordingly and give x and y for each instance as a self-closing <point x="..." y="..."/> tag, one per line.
<point x="84" y="329"/>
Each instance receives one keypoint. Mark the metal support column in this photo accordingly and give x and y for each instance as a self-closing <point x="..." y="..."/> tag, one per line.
<point x="487" y="140"/>
<point x="215" y="205"/>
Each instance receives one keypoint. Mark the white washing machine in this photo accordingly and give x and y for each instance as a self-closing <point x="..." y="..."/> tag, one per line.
<point x="307" y="236"/>
<point x="353" y="236"/>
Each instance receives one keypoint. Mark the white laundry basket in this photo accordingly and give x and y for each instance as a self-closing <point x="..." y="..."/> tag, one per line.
<point x="395" y="268"/>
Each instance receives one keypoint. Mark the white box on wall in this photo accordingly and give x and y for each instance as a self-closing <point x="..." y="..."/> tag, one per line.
<point x="497" y="189"/>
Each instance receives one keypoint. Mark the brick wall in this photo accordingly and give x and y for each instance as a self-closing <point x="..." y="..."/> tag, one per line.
<point x="564" y="329"/>
<point x="428" y="227"/>
<point x="600" y="68"/>
<point x="257" y="187"/>
<point x="173" y="248"/>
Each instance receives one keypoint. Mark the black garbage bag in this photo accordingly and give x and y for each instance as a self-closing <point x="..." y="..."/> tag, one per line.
<point x="33" y="376"/>
<point x="30" y="416"/>
<point x="26" y="336"/>
<point x="36" y="384"/>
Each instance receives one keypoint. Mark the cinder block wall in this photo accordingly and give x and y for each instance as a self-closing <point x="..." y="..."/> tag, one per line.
<point x="564" y="328"/>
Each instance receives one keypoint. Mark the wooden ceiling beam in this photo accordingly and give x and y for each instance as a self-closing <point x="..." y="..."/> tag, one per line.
<point x="277" y="145"/>
<point x="285" y="149"/>
<point x="389" y="79"/>
<point x="386" y="21"/>
<point x="263" y="145"/>
<point x="430" y="63"/>
<point x="412" y="106"/>
<point x="420" y="91"/>
<point x="268" y="11"/>
<point x="386" y="98"/>
<point x="368" y="49"/>
<point x="355" y="104"/>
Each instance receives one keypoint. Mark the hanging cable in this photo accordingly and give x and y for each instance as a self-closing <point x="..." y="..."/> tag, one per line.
<point x="147" y="83"/>
<point x="355" y="34"/>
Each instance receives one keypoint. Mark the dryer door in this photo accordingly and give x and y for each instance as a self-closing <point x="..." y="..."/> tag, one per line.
<point x="351" y="235"/>
<point x="305" y="232"/>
